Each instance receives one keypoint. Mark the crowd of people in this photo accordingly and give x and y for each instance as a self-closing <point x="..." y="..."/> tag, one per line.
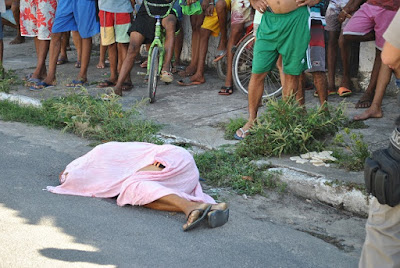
<point x="290" y="36"/>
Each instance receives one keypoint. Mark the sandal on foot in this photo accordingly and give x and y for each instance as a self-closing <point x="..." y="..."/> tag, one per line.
<point x="106" y="83"/>
<point x="78" y="64"/>
<point x="202" y="214"/>
<point x="243" y="134"/>
<point x="126" y="86"/>
<point x="225" y="90"/>
<point x="143" y="64"/>
<point x="218" y="217"/>
<point x="343" y="92"/>
<point x="219" y="55"/>
<point x="166" y="77"/>
<point x="40" y="85"/>
<point x="329" y="93"/>
<point x="187" y="82"/>
<point x="61" y="61"/>
<point x="77" y="83"/>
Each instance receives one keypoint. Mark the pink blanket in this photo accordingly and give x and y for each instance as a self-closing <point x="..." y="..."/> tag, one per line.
<point x="111" y="169"/>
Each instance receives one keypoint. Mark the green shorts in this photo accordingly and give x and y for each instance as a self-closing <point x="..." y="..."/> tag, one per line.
<point x="286" y="34"/>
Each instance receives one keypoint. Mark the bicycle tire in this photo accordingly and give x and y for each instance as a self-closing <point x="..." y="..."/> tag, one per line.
<point x="241" y="70"/>
<point x="221" y="68"/>
<point x="153" y="74"/>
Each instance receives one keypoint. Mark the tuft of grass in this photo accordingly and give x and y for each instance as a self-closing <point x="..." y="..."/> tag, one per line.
<point x="287" y="128"/>
<point x="8" y="79"/>
<point x="350" y="150"/>
<point x="222" y="168"/>
<point x="86" y="116"/>
<point x="232" y="126"/>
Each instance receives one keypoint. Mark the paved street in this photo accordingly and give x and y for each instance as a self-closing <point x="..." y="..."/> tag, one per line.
<point x="40" y="229"/>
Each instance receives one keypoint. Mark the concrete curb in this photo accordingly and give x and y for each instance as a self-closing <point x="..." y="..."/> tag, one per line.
<point x="306" y="184"/>
<point x="19" y="99"/>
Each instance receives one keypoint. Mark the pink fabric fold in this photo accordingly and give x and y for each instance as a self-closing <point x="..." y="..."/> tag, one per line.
<point x="111" y="169"/>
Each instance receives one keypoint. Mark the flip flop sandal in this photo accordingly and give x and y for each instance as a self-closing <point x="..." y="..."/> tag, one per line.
<point x="27" y="77"/>
<point x="187" y="82"/>
<point x="218" y="218"/>
<point x="78" y="64"/>
<point x="77" y="83"/>
<point x="61" y="61"/>
<point x="219" y="55"/>
<point x="32" y="81"/>
<point x="225" y="91"/>
<point x="166" y="77"/>
<point x="106" y="83"/>
<point x="204" y="213"/>
<point x="329" y="93"/>
<point x="40" y="85"/>
<point x="244" y="133"/>
<point x="343" y="92"/>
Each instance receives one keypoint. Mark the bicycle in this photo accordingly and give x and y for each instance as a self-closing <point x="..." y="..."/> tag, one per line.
<point x="242" y="65"/>
<point x="156" y="52"/>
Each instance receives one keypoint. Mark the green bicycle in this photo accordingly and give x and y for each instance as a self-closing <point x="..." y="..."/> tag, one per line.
<point x="156" y="53"/>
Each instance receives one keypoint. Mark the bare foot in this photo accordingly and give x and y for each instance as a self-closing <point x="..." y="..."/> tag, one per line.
<point x="372" y="112"/>
<point x="365" y="101"/>
<point x="18" y="40"/>
<point x="101" y="65"/>
<point x="219" y="206"/>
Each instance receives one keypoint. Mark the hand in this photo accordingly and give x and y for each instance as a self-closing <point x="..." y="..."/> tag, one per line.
<point x="343" y="15"/>
<point x="209" y="10"/>
<point x="310" y="3"/>
<point x="260" y="5"/>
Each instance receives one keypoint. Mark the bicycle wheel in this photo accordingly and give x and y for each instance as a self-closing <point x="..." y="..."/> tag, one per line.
<point x="241" y="70"/>
<point x="153" y="74"/>
<point x="221" y="68"/>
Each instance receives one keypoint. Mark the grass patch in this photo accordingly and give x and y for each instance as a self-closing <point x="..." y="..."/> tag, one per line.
<point x="222" y="168"/>
<point x="286" y="128"/>
<point x="350" y="150"/>
<point x="8" y="79"/>
<point x="85" y="116"/>
<point x="233" y="126"/>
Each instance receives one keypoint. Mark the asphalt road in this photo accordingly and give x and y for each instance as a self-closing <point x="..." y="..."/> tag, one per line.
<point x="41" y="229"/>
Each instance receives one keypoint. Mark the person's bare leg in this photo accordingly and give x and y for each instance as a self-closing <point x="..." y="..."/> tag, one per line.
<point x="256" y="90"/>
<point x="169" y="24"/>
<point x="196" y="22"/>
<point x="332" y="54"/>
<point x="236" y="33"/>
<point x="55" y="45"/>
<point x="42" y="50"/>
<point x="122" y="51"/>
<point x="279" y="65"/>
<point x="113" y="56"/>
<point x="300" y="91"/>
<point x="16" y="13"/>
<point x="85" y="58"/>
<point x="136" y="40"/>
<point x="63" y="57"/>
<point x="291" y="86"/>
<point x="102" y="59"/>
<point x="366" y="99"/>
<point x="321" y="84"/>
<point x="76" y="38"/>
<point x="345" y="46"/>
<point x="222" y="20"/>
<point x="375" y="111"/>
<point x="178" y="48"/>
<point x="204" y="38"/>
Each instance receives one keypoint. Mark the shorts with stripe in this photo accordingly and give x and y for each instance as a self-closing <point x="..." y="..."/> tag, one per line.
<point x="317" y="47"/>
<point x="286" y="34"/>
<point x="114" y="27"/>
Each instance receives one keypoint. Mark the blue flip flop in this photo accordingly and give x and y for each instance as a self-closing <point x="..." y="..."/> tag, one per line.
<point x="244" y="133"/>
<point x="218" y="218"/>
<point x="40" y="85"/>
<point x="77" y="83"/>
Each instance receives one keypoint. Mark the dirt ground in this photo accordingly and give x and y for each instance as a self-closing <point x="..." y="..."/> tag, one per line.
<point x="340" y="228"/>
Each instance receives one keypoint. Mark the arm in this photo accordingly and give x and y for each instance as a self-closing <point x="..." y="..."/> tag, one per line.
<point x="309" y="3"/>
<point x="351" y="7"/>
<point x="260" y="5"/>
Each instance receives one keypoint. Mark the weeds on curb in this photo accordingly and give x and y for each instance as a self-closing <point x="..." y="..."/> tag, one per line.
<point x="7" y="79"/>
<point x="350" y="150"/>
<point x="86" y="116"/>
<point x="222" y="168"/>
<point x="287" y="128"/>
<point x="233" y="126"/>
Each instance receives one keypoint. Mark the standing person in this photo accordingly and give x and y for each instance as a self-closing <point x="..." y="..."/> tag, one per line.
<point x="72" y="15"/>
<point x="37" y="18"/>
<point x="366" y="24"/>
<point x="284" y="30"/>
<point x="215" y="16"/>
<point x="14" y="20"/>
<point x="241" y="17"/>
<point x="115" y="21"/>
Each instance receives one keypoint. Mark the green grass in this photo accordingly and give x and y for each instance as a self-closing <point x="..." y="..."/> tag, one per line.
<point x="85" y="116"/>
<point x="8" y="79"/>
<point x="224" y="168"/>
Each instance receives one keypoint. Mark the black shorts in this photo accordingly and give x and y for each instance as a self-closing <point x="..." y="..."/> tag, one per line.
<point x="146" y="25"/>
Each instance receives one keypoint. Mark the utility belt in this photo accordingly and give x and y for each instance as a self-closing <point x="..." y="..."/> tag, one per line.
<point x="382" y="172"/>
